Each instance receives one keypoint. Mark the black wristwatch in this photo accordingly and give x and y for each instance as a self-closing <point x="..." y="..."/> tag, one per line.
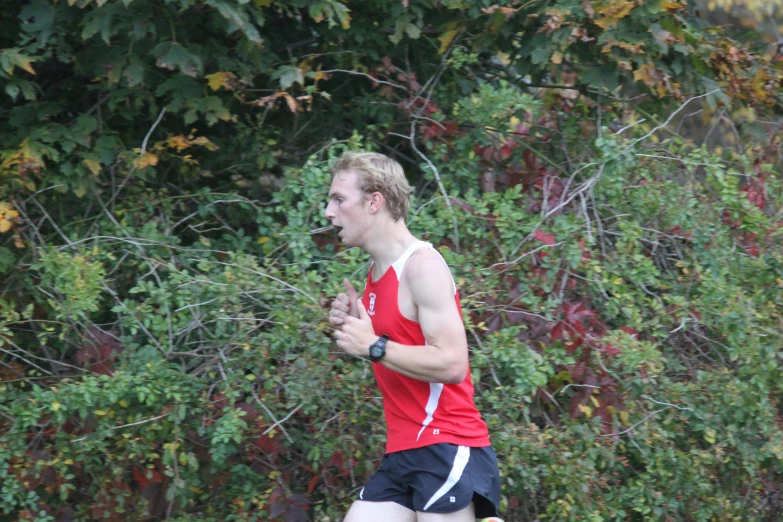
<point x="378" y="348"/>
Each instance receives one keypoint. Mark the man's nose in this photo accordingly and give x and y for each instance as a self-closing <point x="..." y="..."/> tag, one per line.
<point x="329" y="212"/>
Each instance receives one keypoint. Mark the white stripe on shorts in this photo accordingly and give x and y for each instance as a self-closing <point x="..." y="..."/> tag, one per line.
<point x="460" y="461"/>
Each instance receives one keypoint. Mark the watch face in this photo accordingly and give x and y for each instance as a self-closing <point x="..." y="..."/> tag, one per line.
<point x="375" y="351"/>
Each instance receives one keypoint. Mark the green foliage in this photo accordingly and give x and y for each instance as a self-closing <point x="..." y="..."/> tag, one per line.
<point x="166" y="269"/>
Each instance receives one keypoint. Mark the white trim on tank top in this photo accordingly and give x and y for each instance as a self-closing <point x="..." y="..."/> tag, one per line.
<point x="400" y="263"/>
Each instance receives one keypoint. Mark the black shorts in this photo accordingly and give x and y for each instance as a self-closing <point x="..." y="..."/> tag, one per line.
<point x="441" y="478"/>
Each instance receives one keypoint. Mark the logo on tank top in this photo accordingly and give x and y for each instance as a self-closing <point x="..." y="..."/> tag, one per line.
<point x="371" y="310"/>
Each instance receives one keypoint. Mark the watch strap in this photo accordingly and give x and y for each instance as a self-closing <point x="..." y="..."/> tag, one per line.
<point x="381" y="344"/>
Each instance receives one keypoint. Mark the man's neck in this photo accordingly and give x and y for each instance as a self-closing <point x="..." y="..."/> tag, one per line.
<point x="388" y="243"/>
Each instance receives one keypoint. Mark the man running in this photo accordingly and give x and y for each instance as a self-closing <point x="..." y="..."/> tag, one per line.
<point x="438" y="464"/>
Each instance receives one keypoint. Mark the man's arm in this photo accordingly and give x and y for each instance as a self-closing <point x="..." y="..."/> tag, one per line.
<point x="445" y="357"/>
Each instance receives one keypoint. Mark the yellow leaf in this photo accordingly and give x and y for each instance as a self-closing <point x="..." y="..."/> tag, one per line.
<point x="100" y="413"/>
<point x="204" y="142"/>
<point x="618" y="281"/>
<point x="673" y="6"/>
<point x="55" y="406"/>
<point x="5" y="225"/>
<point x="625" y="418"/>
<point x="346" y="21"/>
<point x="557" y="57"/>
<point x="146" y="160"/>
<point x="93" y="165"/>
<point x="594" y="401"/>
<point x="221" y="79"/>
<point x="263" y="239"/>
<point x="643" y="73"/>
<point x="709" y="435"/>
<point x="615" y="11"/>
<point x="446" y="39"/>
<point x="68" y="462"/>
<point x="123" y="403"/>
<point x="178" y="142"/>
<point x="587" y="410"/>
<point x="306" y="65"/>
<point x="9" y="214"/>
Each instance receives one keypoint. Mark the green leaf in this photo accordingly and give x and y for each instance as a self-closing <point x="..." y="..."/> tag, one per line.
<point x="12" y="58"/>
<point x="238" y="19"/>
<point x="341" y="13"/>
<point x="134" y="73"/>
<point x="12" y="90"/>
<point x="98" y="20"/>
<point x="413" y="30"/>
<point x="288" y="75"/>
<point x="7" y="259"/>
<point x="541" y="54"/>
<point x="173" y="56"/>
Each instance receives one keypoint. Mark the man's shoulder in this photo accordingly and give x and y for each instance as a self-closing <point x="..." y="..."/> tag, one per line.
<point x="426" y="267"/>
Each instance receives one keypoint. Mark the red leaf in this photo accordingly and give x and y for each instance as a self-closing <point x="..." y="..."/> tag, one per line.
<point x="140" y="474"/>
<point x="311" y="485"/>
<point x="630" y="331"/>
<point x="575" y="313"/>
<point x="544" y="237"/>
<point x="557" y="331"/>
<point x="573" y="345"/>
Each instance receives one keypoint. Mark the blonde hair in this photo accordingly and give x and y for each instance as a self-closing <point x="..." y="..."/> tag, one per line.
<point x="378" y="173"/>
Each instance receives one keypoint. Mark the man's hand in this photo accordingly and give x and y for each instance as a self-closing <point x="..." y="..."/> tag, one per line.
<point x="357" y="334"/>
<point x="344" y="306"/>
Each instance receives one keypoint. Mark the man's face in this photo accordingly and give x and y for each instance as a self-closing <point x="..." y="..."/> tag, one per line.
<point x="348" y="208"/>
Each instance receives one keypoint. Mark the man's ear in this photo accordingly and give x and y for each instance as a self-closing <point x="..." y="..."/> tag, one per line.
<point x="376" y="202"/>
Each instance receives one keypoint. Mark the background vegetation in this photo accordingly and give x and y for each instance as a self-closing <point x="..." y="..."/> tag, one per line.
<point x="602" y="175"/>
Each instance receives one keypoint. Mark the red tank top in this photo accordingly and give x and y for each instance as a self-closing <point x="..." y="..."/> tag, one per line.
<point x="417" y="413"/>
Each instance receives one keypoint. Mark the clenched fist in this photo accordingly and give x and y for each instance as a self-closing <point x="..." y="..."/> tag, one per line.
<point x="344" y="306"/>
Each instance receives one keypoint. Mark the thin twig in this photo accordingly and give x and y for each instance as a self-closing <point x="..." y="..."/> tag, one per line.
<point x="125" y="426"/>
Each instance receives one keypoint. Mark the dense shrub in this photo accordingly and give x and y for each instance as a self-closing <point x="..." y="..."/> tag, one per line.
<point x="165" y="351"/>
